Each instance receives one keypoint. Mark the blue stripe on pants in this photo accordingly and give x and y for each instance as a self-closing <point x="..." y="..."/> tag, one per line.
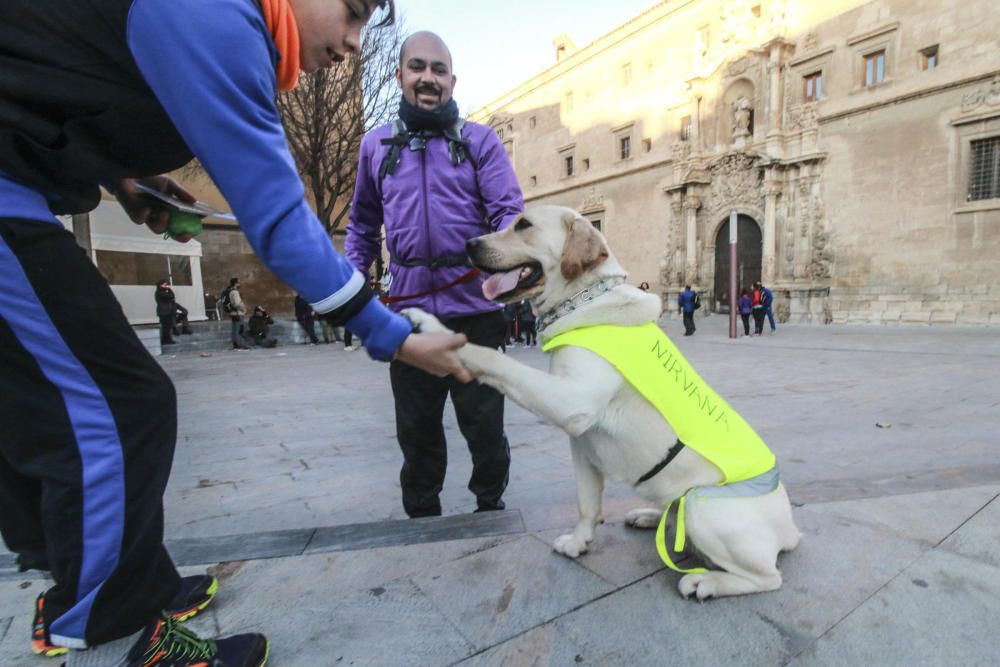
<point x="103" y="483"/>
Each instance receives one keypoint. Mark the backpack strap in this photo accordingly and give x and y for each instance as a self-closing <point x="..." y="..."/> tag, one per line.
<point x="458" y="148"/>
<point x="400" y="137"/>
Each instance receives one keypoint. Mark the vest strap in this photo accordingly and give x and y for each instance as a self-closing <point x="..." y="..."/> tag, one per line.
<point x="674" y="450"/>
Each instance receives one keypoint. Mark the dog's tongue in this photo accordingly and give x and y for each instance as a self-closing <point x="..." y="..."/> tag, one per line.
<point x="500" y="283"/>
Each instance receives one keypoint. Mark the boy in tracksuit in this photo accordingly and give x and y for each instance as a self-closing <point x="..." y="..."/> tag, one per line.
<point x="100" y="93"/>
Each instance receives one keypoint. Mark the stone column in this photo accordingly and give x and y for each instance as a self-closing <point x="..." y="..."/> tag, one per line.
<point x="774" y="71"/>
<point x="772" y="188"/>
<point x="691" y="206"/>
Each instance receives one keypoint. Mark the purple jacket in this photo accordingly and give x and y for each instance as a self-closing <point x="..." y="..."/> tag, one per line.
<point x="430" y="208"/>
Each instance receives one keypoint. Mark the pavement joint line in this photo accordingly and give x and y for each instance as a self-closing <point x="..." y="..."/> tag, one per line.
<point x="893" y="578"/>
<point x="900" y="484"/>
<point x="967" y="520"/>
<point x="843" y="618"/>
<point x="578" y="607"/>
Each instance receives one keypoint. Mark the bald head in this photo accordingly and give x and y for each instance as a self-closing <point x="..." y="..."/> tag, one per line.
<point x="424" y="41"/>
<point x="424" y="73"/>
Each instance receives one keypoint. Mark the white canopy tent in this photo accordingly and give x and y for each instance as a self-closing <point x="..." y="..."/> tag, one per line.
<point x="134" y="260"/>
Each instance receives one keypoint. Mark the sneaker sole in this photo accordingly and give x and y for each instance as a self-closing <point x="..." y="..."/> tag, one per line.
<point x="191" y="612"/>
<point x="48" y="652"/>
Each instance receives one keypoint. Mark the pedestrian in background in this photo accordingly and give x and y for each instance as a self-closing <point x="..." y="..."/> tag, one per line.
<point x="166" y="311"/>
<point x="527" y="318"/>
<point x="686" y="305"/>
<point x="758" y="310"/>
<point x="746" y="307"/>
<point x="304" y="316"/>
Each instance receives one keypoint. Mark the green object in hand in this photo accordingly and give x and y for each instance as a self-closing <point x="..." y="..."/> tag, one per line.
<point x="183" y="223"/>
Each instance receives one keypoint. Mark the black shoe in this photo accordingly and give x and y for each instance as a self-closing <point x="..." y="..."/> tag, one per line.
<point x="165" y="643"/>
<point x="31" y="560"/>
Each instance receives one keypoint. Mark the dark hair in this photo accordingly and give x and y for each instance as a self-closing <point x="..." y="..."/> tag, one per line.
<point x="233" y="281"/>
<point x="687" y="287"/>
<point x="390" y="11"/>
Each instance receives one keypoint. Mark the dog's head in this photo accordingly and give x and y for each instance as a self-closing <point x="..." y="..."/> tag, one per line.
<point x="544" y="251"/>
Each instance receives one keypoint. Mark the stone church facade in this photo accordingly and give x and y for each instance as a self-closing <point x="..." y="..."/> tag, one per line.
<point x="858" y="144"/>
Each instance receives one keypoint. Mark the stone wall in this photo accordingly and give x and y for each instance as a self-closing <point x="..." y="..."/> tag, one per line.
<point x="226" y="254"/>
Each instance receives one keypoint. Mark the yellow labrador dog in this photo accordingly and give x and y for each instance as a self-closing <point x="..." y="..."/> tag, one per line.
<point x="556" y="259"/>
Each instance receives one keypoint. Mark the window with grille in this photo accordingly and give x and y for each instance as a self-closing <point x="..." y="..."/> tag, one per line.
<point x="568" y="160"/>
<point x="625" y="147"/>
<point x="812" y="87"/>
<point x="984" y="173"/>
<point x="685" y="128"/>
<point x="874" y="69"/>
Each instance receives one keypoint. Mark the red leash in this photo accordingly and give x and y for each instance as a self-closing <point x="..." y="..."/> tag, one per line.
<point x="464" y="278"/>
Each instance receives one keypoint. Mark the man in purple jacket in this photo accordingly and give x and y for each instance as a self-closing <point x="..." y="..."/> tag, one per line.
<point x="434" y="181"/>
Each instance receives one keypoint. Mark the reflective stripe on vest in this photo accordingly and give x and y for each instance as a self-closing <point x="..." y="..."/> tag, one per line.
<point x="702" y="420"/>
<point x="673" y="550"/>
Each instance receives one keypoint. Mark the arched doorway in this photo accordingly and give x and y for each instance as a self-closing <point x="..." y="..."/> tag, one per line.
<point x="749" y="248"/>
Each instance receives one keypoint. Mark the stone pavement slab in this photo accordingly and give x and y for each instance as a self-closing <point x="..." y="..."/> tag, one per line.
<point x="942" y="610"/>
<point x="498" y="593"/>
<point x="848" y="554"/>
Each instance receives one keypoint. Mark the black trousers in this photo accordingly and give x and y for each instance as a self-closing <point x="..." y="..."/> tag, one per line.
<point x="167" y="324"/>
<point x="688" y="323"/>
<point x="758" y="320"/>
<point x="420" y="399"/>
<point x="530" y="334"/>
<point x="88" y="422"/>
<point x="746" y="323"/>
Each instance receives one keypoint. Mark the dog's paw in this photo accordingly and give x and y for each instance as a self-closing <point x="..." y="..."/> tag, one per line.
<point x="701" y="585"/>
<point x="477" y="359"/>
<point x="570" y="545"/>
<point x="423" y="321"/>
<point x="643" y="518"/>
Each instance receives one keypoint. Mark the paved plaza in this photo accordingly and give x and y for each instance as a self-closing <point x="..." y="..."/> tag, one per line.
<point x="285" y="484"/>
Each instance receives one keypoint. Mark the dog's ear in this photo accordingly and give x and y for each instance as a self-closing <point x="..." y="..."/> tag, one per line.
<point x="584" y="248"/>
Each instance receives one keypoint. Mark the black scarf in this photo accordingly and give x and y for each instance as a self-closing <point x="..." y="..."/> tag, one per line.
<point x="437" y="120"/>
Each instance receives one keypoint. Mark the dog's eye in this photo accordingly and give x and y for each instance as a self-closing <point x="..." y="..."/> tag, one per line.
<point x="521" y="225"/>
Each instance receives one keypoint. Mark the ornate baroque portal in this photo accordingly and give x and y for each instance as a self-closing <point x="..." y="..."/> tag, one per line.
<point x="761" y="158"/>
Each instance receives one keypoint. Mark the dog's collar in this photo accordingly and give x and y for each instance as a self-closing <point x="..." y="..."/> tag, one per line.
<point x="586" y="295"/>
<point x="671" y="454"/>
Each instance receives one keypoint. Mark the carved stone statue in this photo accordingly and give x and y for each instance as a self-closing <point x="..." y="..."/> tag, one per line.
<point x="742" y="109"/>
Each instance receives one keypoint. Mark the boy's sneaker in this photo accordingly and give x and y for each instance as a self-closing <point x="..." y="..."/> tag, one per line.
<point x="165" y="643"/>
<point x="195" y="594"/>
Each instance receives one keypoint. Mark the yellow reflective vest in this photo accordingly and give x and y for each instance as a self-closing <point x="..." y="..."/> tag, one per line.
<point x="702" y="420"/>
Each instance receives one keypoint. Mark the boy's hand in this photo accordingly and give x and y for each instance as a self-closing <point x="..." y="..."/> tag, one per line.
<point x="145" y="210"/>
<point x="435" y="353"/>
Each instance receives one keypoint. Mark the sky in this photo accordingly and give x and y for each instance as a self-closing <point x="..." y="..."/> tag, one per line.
<point x="497" y="45"/>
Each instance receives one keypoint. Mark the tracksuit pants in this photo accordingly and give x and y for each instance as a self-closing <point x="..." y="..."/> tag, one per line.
<point x="88" y="422"/>
<point x="420" y="399"/>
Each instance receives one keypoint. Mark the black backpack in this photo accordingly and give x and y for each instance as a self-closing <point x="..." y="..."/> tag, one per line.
<point x="225" y="303"/>
<point x="697" y="301"/>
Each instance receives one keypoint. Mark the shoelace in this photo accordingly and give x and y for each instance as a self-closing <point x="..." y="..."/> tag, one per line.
<point x="178" y="642"/>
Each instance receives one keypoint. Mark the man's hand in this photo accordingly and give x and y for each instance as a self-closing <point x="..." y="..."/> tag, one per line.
<point x="145" y="210"/>
<point x="436" y="354"/>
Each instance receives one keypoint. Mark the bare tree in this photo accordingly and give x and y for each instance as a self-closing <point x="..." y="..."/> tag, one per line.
<point x="329" y="112"/>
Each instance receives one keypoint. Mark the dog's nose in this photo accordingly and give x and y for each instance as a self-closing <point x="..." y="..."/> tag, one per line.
<point x="471" y="244"/>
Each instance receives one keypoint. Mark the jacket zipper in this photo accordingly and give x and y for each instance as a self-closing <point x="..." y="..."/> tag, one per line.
<point x="427" y="223"/>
